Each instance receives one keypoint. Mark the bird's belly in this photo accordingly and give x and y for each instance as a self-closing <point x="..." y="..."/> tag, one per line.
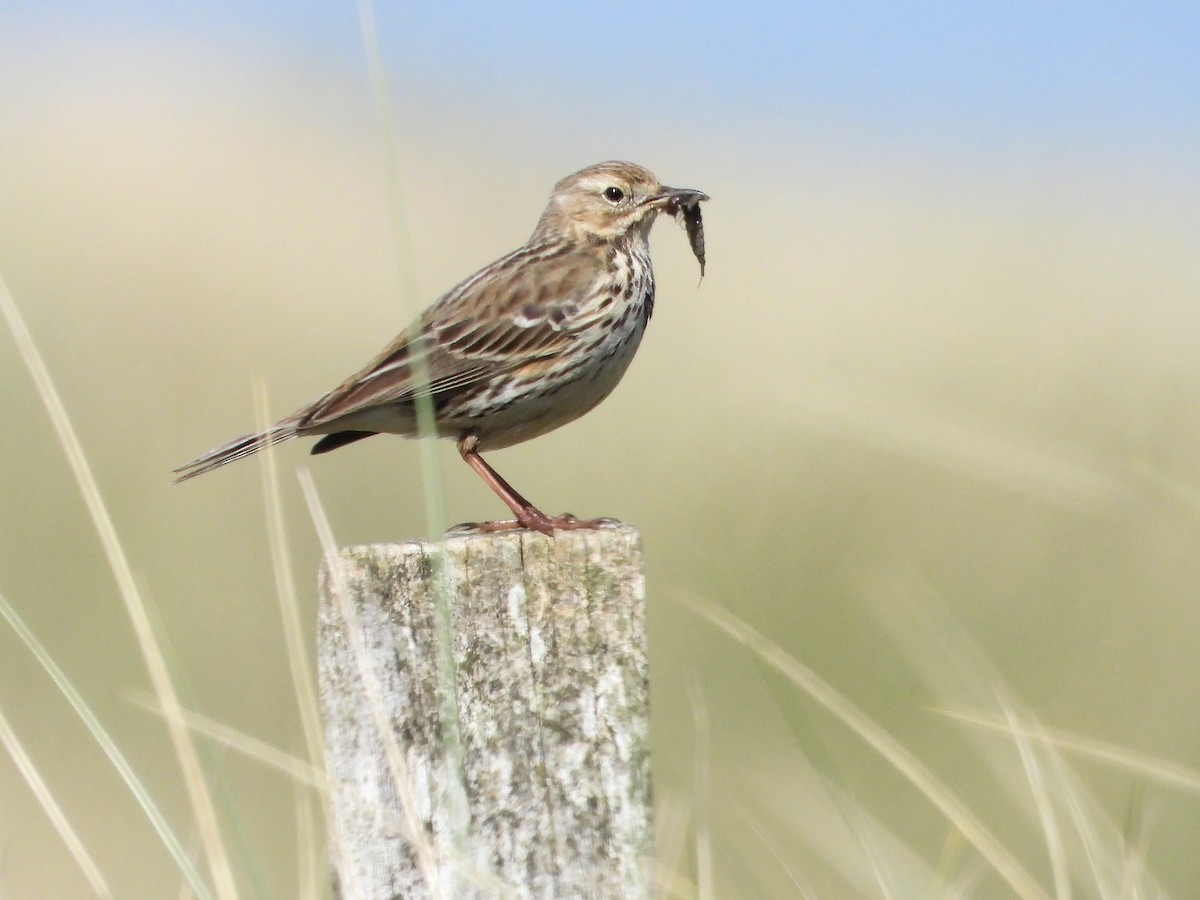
<point x="521" y="407"/>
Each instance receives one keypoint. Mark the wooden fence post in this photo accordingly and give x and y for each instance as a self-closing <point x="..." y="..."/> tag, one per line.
<point x="548" y="793"/>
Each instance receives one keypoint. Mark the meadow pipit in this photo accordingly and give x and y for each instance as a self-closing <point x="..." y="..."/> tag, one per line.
<point x="521" y="347"/>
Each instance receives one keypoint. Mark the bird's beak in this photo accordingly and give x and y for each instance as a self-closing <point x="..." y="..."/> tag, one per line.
<point x="672" y="199"/>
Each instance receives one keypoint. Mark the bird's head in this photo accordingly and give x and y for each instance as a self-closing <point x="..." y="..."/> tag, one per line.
<point x="608" y="201"/>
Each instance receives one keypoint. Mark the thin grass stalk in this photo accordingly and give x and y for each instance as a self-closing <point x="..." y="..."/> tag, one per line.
<point x="312" y="873"/>
<point x="189" y="763"/>
<point x="997" y="855"/>
<point x="303" y="681"/>
<point x="455" y="794"/>
<point x="1143" y="765"/>
<point x="701" y="789"/>
<point x="670" y="839"/>
<point x="24" y="764"/>
<point x="1041" y="802"/>
<point x="803" y="891"/>
<point x="298" y="770"/>
<point x="427" y="859"/>
<point x="97" y="730"/>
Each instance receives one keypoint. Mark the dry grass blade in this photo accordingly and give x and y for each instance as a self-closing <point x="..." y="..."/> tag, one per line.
<point x="1085" y="847"/>
<point x="426" y="856"/>
<point x="53" y="811"/>
<point x="1160" y="770"/>
<point x="997" y="855"/>
<point x="1136" y="840"/>
<point x="871" y="852"/>
<point x="704" y="856"/>
<point x="109" y="746"/>
<point x="294" y="767"/>
<point x="431" y="482"/>
<point x="193" y="774"/>
<point x="1091" y="828"/>
<point x="1041" y="802"/>
<point x="426" y="427"/>
<point x="765" y="838"/>
<point x="313" y="872"/>
<point x="455" y="799"/>
<point x="303" y="683"/>
<point x="670" y="837"/>
<point x="983" y="450"/>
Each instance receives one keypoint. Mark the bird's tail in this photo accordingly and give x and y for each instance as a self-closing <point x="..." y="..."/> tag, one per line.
<point x="236" y="449"/>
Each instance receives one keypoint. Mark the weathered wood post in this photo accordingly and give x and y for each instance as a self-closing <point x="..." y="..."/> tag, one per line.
<point x="543" y="790"/>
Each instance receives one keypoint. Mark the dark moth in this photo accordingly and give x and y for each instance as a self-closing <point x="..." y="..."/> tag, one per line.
<point x="687" y="212"/>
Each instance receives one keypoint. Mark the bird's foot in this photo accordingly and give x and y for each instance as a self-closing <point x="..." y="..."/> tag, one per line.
<point x="535" y="520"/>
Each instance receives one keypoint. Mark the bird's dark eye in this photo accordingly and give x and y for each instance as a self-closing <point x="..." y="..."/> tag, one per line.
<point x="614" y="194"/>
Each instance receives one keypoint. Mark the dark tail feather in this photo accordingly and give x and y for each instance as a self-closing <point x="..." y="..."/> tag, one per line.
<point x="235" y="449"/>
<point x="340" y="439"/>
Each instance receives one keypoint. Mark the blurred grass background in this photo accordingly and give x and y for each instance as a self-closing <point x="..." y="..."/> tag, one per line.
<point x="930" y="423"/>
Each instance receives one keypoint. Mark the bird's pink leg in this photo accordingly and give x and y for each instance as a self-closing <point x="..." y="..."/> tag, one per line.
<point x="527" y="515"/>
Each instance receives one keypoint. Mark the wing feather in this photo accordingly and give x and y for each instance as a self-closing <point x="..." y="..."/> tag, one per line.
<point x="522" y="309"/>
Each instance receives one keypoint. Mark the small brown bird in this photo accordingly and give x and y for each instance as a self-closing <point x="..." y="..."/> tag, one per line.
<point x="526" y="344"/>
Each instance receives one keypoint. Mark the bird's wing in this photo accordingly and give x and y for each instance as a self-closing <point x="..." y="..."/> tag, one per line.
<point x="519" y="311"/>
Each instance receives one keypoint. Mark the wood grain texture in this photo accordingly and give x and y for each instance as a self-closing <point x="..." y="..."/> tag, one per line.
<point x="552" y="693"/>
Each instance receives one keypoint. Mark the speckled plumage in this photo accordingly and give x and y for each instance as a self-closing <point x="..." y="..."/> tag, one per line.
<point x="524" y="345"/>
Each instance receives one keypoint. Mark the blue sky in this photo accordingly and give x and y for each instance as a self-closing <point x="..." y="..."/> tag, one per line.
<point x="1058" y="68"/>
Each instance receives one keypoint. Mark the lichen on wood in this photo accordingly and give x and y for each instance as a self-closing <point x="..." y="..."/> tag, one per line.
<point x="552" y="692"/>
